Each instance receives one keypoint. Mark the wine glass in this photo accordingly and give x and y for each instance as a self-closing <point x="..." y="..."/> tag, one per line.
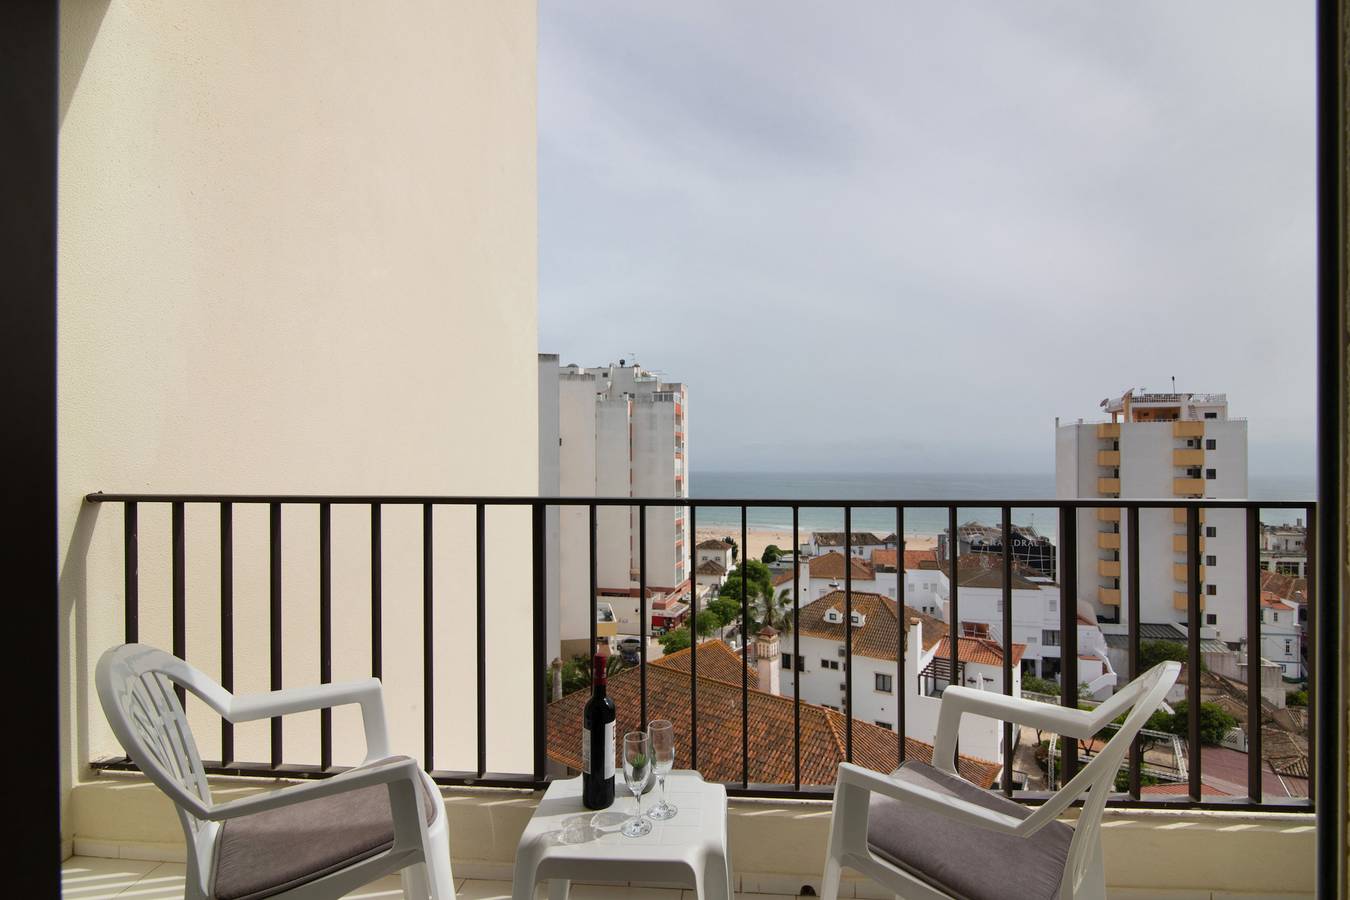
<point x="662" y="733"/>
<point x="637" y="768"/>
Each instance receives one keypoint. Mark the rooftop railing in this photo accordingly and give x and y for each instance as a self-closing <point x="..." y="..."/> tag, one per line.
<point x="536" y="718"/>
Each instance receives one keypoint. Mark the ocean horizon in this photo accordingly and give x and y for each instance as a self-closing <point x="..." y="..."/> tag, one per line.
<point x="714" y="485"/>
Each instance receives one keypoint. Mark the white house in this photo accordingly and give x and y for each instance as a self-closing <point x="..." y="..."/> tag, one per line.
<point x="875" y="640"/>
<point x="1281" y="636"/>
<point x="709" y="574"/>
<point x="860" y="543"/>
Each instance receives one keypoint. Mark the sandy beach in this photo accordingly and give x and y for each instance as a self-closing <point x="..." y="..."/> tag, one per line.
<point x="757" y="539"/>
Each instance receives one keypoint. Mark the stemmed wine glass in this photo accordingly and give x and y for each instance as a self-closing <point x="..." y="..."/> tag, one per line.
<point x="662" y="733"/>
<point x="637" y="768"/>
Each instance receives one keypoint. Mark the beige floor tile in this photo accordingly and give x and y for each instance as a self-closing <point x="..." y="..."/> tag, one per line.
<point x="621" y="892"/>
<point x="163" y="882"/>
<point x="484" y="890"/>
<point x="388" y="888"/>
<point x="95" y="878"/>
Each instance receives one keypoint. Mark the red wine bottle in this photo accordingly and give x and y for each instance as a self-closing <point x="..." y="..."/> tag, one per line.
<point x="597" y="743"/>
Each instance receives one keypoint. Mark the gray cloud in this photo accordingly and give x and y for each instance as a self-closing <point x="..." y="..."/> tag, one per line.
<point x="907" y="236"/>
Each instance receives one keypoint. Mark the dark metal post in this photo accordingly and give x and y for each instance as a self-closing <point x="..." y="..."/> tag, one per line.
<point x="376" y="593"/>
<point x="274" y="620"/>
<point x="642" y="606"/>
<point x="848" y="633"/>
<point x="538" y="515"/>
<point x="179" y="591"/>
<point x="796" y="657"/>
<point x="1132" y="589"/>
<point x="1007" y="646"/>
<point x="745" y="658"/>
<point x="1193" y="620"/>
<point x="1255" y="788"/>
<point x="593" y="602"/>
<point x="902" y="634"/>
<point x="953" y="595"/>
<point x="325" y="630"/>
<point x="130" y="574"/>
<point x="480" y="541"/>
<point x="226" y="624"/>
<point x="1068" y="634"/>
<point x="693" y="655"/>
<point x="428" y="644"/>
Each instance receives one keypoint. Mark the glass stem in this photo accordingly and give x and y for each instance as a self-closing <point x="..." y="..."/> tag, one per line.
<point x="638" y="798"/>
<point x="662" y="779"/>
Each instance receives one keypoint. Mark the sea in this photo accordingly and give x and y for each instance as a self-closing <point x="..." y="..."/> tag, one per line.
<point x="712" y="485"/>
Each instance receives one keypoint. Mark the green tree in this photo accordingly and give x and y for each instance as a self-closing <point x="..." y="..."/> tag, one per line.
<point x="735" y="548"/>
<point x="1214" y="722"/>
<point x="577" y="672"/>
<point x="674" y="640"/>
<point x="774" y="611"/>
<point x="758" y="581"/>
<point x="1153" y="652"/>
<point x="724" y="609"/>
<point x="771" y="555"/>
<point x="1039" y="685"/>
<point x="1297" y="698"/>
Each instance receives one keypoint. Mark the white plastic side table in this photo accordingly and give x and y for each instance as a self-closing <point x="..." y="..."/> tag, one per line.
<point x="565" y="841"/>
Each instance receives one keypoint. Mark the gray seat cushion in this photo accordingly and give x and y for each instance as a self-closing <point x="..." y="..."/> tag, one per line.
<point x="269" y="852"/>
<point x="963" y="860"/>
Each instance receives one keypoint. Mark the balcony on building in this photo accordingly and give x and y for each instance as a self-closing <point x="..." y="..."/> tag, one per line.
<point x="1108" y="486"/>
<point x="1188" y="487"/>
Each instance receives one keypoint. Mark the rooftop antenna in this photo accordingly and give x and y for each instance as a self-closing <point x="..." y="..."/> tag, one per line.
<point x="1174" y="384"/>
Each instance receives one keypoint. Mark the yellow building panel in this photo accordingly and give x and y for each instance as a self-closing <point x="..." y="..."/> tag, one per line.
<point x="1108" y="485"/>
<point x="1179" y="543"/>
<point x="1179" y="601"/>
<point x="1108" y="430"/>
<point x="1188" y="429"/>
<point x="1179" y="572"/>
<point x="1108" y="568"/>
<point x="1108" y="596"/>
<point x="1187" y="487"/>
<point x="1108" y="514"/>
<point x="1108" y="540"/>
<point x="1188" y="457"/>
<point x="1108" y="457"/>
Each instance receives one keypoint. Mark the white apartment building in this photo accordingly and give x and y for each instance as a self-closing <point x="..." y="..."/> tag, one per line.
<point x="859" y="543"/>
<point x="1284" y="549"/>
<point x="614" y="431"/>
<point x="1282" y="636"/>
<point x="1159" y="445"/>
<point x="821" y="667"/>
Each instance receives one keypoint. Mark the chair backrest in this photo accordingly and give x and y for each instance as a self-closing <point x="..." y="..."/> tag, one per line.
<point x="135" y="686"/>
<point x="1141" y="697"/>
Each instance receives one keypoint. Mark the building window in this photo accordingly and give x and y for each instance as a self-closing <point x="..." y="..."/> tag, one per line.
<point x="829" y="664"/>
<point x="1210" y="443"/>
<point x="1050" y="638"/>
<point x="787" y="661"/>
<point x="1211" y="474"/>
<point x="1288" y="647"/>
<point x="1211" y="589"/>
<point x="1211" y="415"/>
<point x="887" y="725"/>
<point x="884" y="684"/>
<point x="1211" y="619"/>
<point x="1275" y="617"/>
<point x="1211" y="560"/>
<point x="909" y="588"/>
<point x="1211" y="531"/>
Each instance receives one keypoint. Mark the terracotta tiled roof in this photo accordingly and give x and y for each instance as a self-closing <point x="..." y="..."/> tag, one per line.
<point x="876" y="637"/>
<point x="978" y="650"/>
<point x="913" y="558"/>
<point x="716" y="660"/>
<point x="719" y="731"/>
<point x="986" y="570"/>
<point x="1271" y="599"/>
<point x="710" y="567"/>
<point x="713" y="544"/>
<point x="782" y="579"/>
<point x="1288" y="587"/>
<point x="836" y="539"/>
<point x="831" y="565"/>
<point x="1179" y="790"/>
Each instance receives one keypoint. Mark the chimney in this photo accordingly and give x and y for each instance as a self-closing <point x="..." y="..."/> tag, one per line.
<point x="914" y="650"/>
<point x="557" y="668"/>
<point x="766" y="659"/>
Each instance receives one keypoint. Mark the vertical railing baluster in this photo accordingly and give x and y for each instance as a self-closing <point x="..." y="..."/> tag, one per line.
<point x="274" y="619"/>
<point x="376" y="593"/>
<point x="226" y="624"/>
<point x="179" y="568"/>
<point x="325" y="630"/>
<point x="796" y="656"/>
<point x="1255" y="788"/>
<point x="1311" y="600"/>
<point x="538" y="514"/>
<point x="480" y="619"/>
<point x="428" y="643"/>
<point x="1068" y="641"/>
<point x="1007" y="645"/>
<point x="131" y="606"/>
<point x="1193" y="620"/>
<point x="901" y="636"/>
<point x="594" y="601"/>
<point x="693" y="655"/>
<point x="848" y="633"/>
<point x="642" y="606"/>
<point x="745" y="657"/>
<point x="1132" y="588"/>
<point x="953" y="596"/>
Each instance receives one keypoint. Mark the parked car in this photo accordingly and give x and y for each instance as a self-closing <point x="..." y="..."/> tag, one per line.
<point x="629" y="648"/>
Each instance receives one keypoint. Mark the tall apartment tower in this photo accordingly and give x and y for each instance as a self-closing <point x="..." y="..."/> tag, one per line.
<point x="611" y="431"/>
<point x="1157" y="446"/>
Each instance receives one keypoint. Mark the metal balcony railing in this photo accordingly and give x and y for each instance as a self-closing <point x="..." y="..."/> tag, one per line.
<point x="484" y="774"/>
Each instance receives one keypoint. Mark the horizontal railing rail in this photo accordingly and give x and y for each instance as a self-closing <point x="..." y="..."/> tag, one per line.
<point x="542" y="770"/>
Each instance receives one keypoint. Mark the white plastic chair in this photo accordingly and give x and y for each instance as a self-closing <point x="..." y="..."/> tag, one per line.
<point x="925" y="832"/>
<point x="320" y="839"/>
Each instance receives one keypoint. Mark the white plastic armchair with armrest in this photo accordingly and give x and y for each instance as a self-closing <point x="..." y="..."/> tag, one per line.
<point x="320" y="839"/>
<point x="925" y="832"/>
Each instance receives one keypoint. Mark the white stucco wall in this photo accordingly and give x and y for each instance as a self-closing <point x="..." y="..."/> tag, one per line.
<point x="292" y="238"/>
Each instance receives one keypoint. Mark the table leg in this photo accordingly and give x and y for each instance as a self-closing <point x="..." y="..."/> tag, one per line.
<point x="557" y="888"/>
<point x="714" y="882"/>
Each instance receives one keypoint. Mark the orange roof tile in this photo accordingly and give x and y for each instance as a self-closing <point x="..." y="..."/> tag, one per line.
<point x="979" y="650"/>
<point x="913" y="558"/>
<point x="831" y="565"/>
<point x="719" y="731"/>
<point x="876" y="637"/>
<point x="716" y="660"/>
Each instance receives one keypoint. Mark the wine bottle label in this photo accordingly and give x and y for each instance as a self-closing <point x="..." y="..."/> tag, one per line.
<point x="607" y="770"/>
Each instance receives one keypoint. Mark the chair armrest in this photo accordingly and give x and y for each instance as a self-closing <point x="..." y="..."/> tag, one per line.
<point x="853" y="776"/>
<point x="388" y="771"/>
<point x="366" y="692"/>
<point x="957" y="700"/>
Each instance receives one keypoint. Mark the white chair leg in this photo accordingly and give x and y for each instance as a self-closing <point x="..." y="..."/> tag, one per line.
<point x="414" y="879"/>
<point x="558" y="888"/>
<point x="439" y="875"/>
<point x="829" y="882"/>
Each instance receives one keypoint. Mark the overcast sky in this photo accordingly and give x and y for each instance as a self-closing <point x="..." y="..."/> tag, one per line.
<point x="906" y="236"/>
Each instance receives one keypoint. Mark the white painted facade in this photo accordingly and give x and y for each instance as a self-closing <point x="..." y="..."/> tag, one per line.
<point x="620" y="432"/>
<point x="1147" y="469"/>
<point x="1281" y="637"/>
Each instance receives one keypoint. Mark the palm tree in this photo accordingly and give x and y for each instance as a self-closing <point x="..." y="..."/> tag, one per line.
<point x="775" y="612"/>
